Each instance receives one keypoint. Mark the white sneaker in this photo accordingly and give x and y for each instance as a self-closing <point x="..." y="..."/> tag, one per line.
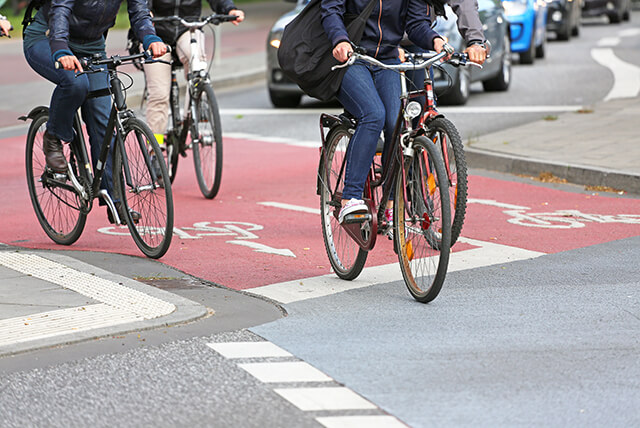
<point x="353" y="206"/>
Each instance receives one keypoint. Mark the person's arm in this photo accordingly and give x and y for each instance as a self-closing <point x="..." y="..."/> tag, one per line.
<point x="140" y="19"/>
<point x="332" y="12"/>
<point x="418" y="27"/>
<point x="470" y="28"/>
<point x="227" y="7"/>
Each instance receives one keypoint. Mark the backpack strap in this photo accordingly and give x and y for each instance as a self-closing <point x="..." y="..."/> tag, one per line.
<point x="28" y="13"/>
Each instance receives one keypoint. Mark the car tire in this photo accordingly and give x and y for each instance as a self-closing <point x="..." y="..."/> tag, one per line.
<point x="540" y="49"/>
<point x="503" y="79"/>
<point x="284" y="100"/>
<point x="529" y="56"/>
<point x="575" y="32"/>
<point x="565" y="33"/>
<point x="615" y="17"/>
<point x="458" y="94"/>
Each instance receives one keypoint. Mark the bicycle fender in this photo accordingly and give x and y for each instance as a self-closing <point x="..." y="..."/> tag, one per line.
<point x="36" y="111"/>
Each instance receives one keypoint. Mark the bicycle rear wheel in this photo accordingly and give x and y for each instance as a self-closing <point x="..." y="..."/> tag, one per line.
<point x="422" y="221"/>
<point x="135" y="186"/>
<point x="207" y="142"/>
<point x="445" y="135"/>
<point x="58" y="207"/>
<point x="345" y="255"/>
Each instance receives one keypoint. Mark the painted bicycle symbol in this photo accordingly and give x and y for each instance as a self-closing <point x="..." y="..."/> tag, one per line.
<point x="242" y="233"/>
<point x="559" y="219"/>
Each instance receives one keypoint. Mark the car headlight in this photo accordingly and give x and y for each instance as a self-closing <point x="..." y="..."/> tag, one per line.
<point x="275" y="42"/>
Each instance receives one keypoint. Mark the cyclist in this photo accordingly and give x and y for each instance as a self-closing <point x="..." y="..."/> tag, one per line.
<point x="62" y="31"/>
<point x="158" y="75"/>
<point x="369" y="93"/>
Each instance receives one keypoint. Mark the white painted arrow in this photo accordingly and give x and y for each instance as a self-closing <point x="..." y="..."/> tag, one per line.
<point x="261" y="248"/>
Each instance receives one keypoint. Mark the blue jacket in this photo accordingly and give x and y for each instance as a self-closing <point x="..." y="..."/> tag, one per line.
<point x="385" y="27"/>
<point x="87" y="21"/>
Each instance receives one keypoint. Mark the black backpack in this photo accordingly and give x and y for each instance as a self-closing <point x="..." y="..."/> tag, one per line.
<point x="30" y="11"/>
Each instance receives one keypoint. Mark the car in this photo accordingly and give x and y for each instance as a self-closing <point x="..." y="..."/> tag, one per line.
<point x="616" y="10"/>
<point x="452" y="83"/>
<point x="563" y="18"/>
<point x="528" y="20"/>
<point x="282" y="91"/>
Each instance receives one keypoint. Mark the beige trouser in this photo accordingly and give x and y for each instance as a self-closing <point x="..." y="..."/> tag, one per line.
<point x="158" y="78"/>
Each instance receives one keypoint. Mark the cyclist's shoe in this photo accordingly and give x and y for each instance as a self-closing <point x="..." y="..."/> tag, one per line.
<point x="388" y="217"/>
<point x="135" y="215"/>
<point x="52" y="148"/>
<point x="352" y="207"/>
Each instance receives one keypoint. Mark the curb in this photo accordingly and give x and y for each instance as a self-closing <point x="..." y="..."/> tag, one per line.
<point x="573" y="173"/>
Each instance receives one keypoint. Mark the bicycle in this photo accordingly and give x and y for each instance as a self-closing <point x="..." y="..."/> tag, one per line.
<point x="140" y="179"/>
<point x="422" y="223"/>
<point x="206" y="131"/>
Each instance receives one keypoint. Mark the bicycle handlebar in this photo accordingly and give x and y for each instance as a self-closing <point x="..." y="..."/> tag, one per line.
<point x="415" y="61"/>
<point x="114" y="61"/>
<point x="214" y="19"/>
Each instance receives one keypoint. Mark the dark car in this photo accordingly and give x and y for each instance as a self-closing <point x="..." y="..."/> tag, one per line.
<point x="452" y="83"/>
<point x="563" y="18"/>
<point x="616" y="10"/>
<point x="495" y="76"/>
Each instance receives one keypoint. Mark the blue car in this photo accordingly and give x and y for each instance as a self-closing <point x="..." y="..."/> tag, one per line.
<point x="528" y="19"/>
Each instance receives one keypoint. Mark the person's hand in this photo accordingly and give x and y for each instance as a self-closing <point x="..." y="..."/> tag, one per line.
<point x="157" y="49"/>
<point x="71" y="63"/>
<point x="477" y="53"/>
<point x="440" y="44"/>
<point x="401" y="55"/>
<point x="342" y="51"/>
<point x="239" y="14"/>
<point x="5" y="27"/>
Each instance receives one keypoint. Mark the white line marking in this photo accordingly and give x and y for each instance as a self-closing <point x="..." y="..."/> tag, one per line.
<point x="317" y="399"/>
<point x="248" y="349"/>
<point x="64" y="321"/>
<point x="291" y="207"/>
<point x="261" y="248"/>
<point x="494" y="203"/>
<point x="626" y="77"/>
<point x="372" y="421"/>
<point x="446" y="110"/>
<point x="275" y="140"/>
<point x="629" y="32"/>
<point x="608" y="41"/>
<point x="297" y="371"/>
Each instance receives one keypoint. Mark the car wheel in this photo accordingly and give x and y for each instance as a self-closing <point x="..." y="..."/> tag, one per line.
<point x="503" y="79"/>
<point x="565" y="33"/>
<point x="458" y="94"/>
<point x="540" y="49"/>
<point x="528" y="56"/>
<point x="615" y="17"/>
<point x="284" y="100"/>
<point x="576" y="31"/>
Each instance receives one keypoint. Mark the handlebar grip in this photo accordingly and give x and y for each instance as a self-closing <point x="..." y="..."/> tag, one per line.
<point x="57" y="65"/>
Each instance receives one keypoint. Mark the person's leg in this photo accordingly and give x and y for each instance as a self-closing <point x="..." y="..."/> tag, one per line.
<point x="183" y="49"/>
<point x="158" y="78"/>
<point x="68" y="95"/>
<point x="359" y="96"/>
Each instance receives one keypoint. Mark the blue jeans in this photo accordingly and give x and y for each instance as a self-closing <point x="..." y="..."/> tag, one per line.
<point x="69" y="95"/>
<point x="372" y="95"/>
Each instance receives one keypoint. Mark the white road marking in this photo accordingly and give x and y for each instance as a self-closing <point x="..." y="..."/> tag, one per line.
<point x="369" y="421"/>
<point x="296" y="371"/>
<point x="495" y="203"/>
<point x="629" y="32"/>
<point x="318" y="399"/>
<point x="608" y="41"/>
<point x="626" y="77"/>
<point x="446" y="110"/>
<point x="291" y="207"/>
<point x="261" y="248"/>
<point x="248" y="349"/>
<point x="275" y="140"/>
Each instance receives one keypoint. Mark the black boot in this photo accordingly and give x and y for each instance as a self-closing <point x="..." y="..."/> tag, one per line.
<point x="52" y="148"/>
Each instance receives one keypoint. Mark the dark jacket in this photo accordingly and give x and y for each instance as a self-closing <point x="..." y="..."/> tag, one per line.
<point x="87" y="20"/>
<point x="385" y="27"/>
<point x="168" y="31"/>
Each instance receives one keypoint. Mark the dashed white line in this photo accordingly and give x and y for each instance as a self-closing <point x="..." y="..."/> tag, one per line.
<point x="321" y="398"/>
<point x="248" y="350"/>
<point x="296" y="371"/>
<point x="291" y="207"/>
<point x="372" y="421"/>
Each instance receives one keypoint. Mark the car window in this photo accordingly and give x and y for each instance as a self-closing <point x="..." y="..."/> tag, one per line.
<point x="487" y="4"/>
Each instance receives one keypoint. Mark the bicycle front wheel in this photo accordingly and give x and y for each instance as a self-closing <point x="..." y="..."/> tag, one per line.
<point x="345" y="255"/>
<point x="146" y="205"/>
<point x="445" y="135"/>
<point x="58" y="207"/>
<point x="422" y="221"/>
<point x="206" y="142"/>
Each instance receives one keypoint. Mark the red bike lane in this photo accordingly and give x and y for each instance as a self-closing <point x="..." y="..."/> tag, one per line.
<point x="246" y="238"/>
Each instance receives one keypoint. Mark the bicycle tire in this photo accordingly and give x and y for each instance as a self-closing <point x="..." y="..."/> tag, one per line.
<point x="345" y="255"/>
<point x="152" y="233"/>
<point x="207" y="142"/>
<point x="59" y="210"/>
<point x="422" y="221"/>
<point x="444" y="133"/>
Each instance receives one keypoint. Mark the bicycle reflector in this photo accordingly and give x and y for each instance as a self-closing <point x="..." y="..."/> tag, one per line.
<point x="412" y="110"/>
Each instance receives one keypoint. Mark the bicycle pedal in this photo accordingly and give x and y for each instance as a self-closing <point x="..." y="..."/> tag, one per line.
<point x="357" y="218"/>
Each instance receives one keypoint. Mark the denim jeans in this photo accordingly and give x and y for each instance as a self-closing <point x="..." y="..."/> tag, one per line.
<point x="372" y="95"/>
<point x="69" y="95"/>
